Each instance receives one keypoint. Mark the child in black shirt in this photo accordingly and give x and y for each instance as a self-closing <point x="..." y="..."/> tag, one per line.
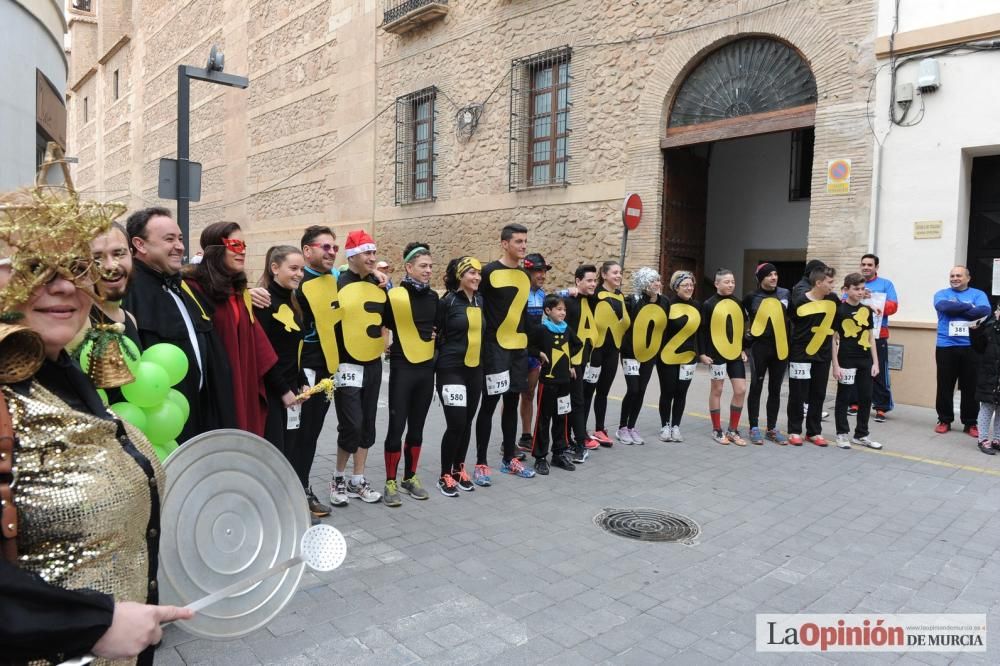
<point x="554" y="343"/>
<point x="855" y="362"/>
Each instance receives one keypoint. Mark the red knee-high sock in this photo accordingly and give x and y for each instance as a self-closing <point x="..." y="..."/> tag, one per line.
<point x="734" y="416"/>
<point x="391" y="464"/>
<point x="716" y="419"/>
<point x="411" y="455"/>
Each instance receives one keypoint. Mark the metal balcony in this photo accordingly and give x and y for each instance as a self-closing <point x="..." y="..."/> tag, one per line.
<point x="401" y="16"/>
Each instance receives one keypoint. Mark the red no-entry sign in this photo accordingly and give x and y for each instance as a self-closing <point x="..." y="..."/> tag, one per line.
<point x="632" y="210"/>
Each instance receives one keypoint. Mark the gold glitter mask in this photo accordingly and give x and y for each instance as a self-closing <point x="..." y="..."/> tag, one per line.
<point x="47" y="231"/>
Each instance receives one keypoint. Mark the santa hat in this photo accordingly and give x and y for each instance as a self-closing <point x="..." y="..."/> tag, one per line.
<point x="358" y="241"/>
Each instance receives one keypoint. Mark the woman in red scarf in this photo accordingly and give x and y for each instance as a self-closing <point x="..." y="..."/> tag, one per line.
<point x="221" y="280"/>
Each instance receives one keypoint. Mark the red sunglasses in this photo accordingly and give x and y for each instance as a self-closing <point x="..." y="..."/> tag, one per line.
<point x="235" y="245"/>
<point x="326" y="247"/>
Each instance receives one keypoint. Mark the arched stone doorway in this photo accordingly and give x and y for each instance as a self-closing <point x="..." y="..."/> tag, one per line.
<point x="737" y="153"/>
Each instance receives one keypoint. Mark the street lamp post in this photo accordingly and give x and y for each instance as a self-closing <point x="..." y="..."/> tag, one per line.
<point x="212" y="73"/>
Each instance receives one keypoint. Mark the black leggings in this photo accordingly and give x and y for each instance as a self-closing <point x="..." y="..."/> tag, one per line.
<point x="301" y="447"/>
<point x="458" y="420"/>
<point x="764" y="362"/>
<point x="411" y="388"/>
<point x="635" y="393"/>
<point x="508" y="424"/>
<point x="673" y="393"/>
<point x="862" y="393"/>
<point x="599" y="392"/>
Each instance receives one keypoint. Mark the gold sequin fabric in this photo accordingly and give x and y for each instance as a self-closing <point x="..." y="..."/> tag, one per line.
<point x="83" y="502"/>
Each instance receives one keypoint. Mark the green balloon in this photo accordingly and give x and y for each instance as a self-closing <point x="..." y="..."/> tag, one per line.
<point x="178" y="399"/>
<point x="150" y="387"/>
<point x="85" y="355"/>
<point x="169" y="357"/>
<point x="130" y="413"/>
<point x="163" y="422"/>
<point x="128" y="346"/>
<point x="104" y="395"/>
<point x="165" y="449"/>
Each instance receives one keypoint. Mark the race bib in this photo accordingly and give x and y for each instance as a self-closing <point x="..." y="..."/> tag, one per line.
<point x="563" y="405"/>
<point x="799" y="370"/>
<point x="687" y="372"/>
<point x="349" y="375"/>
<point x="958" y="329"/>
<point x="453" y="395"/>
<point x="310" y="376"/>
<point x="591" y="374"/>
<point x="847" y="376"/>
<point x="719" y="371"/>
<point x="498" y="383"/>
<point x="631" y="367"/>
<point x="293" y="418"/>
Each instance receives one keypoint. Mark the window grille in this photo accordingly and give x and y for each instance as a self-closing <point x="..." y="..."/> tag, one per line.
<point x="800" y="171"/>
<point x="82" y="5"/>
<point x="416" y="139"/>
<point x="540" y="107"/>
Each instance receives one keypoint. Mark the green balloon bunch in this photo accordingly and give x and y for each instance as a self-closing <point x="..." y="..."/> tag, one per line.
<point x="151" y="405"/>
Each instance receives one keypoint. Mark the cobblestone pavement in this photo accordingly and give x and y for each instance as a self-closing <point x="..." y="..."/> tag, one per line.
<point x="518" y="573"/>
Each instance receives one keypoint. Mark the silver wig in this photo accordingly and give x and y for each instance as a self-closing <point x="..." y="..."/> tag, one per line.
<point x="642" y="278"/>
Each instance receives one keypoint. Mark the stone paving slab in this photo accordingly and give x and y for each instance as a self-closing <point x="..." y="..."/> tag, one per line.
<point x="518" y="573"/>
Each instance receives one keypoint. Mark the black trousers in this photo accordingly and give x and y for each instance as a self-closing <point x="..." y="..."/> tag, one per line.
<point x="302" y="446"/>
<point x="458" y="420"/>
<point x="810" y="391"/>
<point x="881" y="386"/>
<point x="764" y="363"/>
<point x="578" y="415"/>
<point x="956" y="364"/>
<point x="598" y="393"/>
<point x="357" y="408"/>
<point x="496" y="359"/>
<point x="411" y="388"/>
<point x="861" y="391"/>
<point x="635" y="393"/>
<point x="275" y="425"/>
<point x="547" y="403"/>
<point x="673" y="393"/>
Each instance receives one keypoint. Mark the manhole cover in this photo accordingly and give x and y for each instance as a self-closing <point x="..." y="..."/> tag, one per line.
<point x="648" y="525"/>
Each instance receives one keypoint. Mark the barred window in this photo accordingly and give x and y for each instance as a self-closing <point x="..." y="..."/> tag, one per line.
<point x="416" y="167"/>
<point x="539" y="108"/>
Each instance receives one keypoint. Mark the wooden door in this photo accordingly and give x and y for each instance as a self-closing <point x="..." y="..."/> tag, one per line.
<point x="685" y="199"/>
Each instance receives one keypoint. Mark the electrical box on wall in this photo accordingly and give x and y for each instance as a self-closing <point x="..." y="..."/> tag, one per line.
<point x="929" y="75"/>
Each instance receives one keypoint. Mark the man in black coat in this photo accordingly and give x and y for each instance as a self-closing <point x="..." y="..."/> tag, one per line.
<point x="166" y="310"/>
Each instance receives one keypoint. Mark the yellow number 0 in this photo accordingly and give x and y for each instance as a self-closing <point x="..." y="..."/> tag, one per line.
<point x="650" y="323"/>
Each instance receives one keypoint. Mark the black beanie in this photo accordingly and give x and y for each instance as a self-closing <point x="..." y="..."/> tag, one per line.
<point x="763" y="270"/>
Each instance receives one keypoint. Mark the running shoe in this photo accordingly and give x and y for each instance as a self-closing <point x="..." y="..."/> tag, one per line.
<point x="636" y="437"/>
<point x="541" y="466"/>
<point x="665" y="435"/>
<point x="363" y="491"/>
<point x="971" y="431"/>
<point x="563" y="462"/>
<point x="818" y="440"/>
<point x="413" y="487"/>
<point x="866" y="441"/>
<point x="446" y="484"/>
<point x="720" y="437"/>
<point x="734" y="437"/>
<point x="756" y="436"/>
<point x="580" y="455"/>
<point x="777" y="436"/>
<point x="516" y="468"/>
<point x="481" y="476"/>
<point x="624" y="435"/>
<point x="942" y="428"/>
<point x="795" y="439"/>
<point x="995" y="444"/>
<point x="591" y="444"/>
<point x="987" y="448"/>
<point x="390" y="494"/>
<point x="675" y="434"/>
<point x="824" y="416"/>
<point x="843" y="441"/>
<point x="525" y="442"/>
<point x="879" y="416"/>
<point x="602" y="437"/>
<point x="316" y="507"/>
<point x="464" y="482"/>
<point x="338" y="492"/>
<point x="852" y="410"/>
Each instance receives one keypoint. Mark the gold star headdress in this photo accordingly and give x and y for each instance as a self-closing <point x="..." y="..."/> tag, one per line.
<point x="47" y="230"/>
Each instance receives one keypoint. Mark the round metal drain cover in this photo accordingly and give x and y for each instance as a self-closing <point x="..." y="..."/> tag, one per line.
<point x="648" y="525"/>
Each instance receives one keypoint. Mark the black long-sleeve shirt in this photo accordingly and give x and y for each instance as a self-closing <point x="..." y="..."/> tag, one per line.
<point x="502" y="289"/>
<point x="423" y="309"/>
<point x="459" y="326"/>
<point x="580" y="319"/>
<point x="558" y="348"/>
<point x="283" y="327"/>
<point x="751" y="305"/>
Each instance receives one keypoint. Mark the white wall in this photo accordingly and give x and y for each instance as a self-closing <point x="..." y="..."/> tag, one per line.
<point x="917" y="14"/>
<point x="25" y="44"/>
<point x="748" y="204"/>
<point x="926" y="168"/>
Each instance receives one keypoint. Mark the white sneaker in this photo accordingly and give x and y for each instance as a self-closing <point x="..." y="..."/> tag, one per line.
<point x="865" y="441"/>
<point x="666" y="434"/>
<point x="624" y="435"/>
<point x="843" y="441"/>
<point x="363" y="492"/>
<point x="675" y="434"/>
<point x="636" y="437"/>
<point x="338" y="492"/>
